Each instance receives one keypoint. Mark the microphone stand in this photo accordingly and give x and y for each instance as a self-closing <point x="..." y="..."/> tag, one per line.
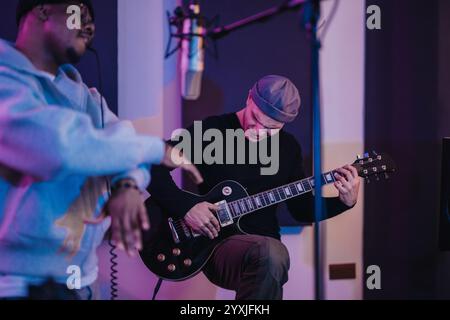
<point x="311" y="19"/>
<point x="220" y="32"/>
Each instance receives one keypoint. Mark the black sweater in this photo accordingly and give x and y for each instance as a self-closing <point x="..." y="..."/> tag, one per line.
<point x="177" y="202"/>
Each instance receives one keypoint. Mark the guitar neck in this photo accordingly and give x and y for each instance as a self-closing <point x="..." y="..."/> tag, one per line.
<point x="274" y="196"/>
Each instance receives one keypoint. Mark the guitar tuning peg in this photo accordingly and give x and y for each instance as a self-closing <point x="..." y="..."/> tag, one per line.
<point x="367" y="180"/>
<point x="377" y="177"/>
<point x="386" y="176"/>
<point x="375" y="153"/>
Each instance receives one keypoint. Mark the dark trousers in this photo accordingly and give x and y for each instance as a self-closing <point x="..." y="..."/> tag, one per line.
<point x="256" y="267"/>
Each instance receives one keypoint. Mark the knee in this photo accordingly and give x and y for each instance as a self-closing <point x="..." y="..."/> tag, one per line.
<point x="272" y="256"/>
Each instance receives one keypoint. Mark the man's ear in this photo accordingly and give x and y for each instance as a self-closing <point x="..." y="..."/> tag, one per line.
<point x="42" y="12"/>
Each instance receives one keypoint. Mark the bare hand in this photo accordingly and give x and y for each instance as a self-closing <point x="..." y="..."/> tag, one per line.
<point x="128" y="218"/>
<point x="201" y="219"/>
<point x="173" y="158"/>
<point x="347" y="184"/>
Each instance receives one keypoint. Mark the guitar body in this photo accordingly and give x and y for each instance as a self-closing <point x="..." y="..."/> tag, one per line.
<point x="174" y="261"/>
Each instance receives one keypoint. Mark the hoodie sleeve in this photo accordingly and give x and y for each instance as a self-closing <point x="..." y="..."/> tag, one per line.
<point x="141" y="174"/>
<point x="52" y="142"/>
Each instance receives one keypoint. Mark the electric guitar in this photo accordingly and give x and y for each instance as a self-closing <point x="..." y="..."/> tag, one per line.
<point x="175" y="252"/>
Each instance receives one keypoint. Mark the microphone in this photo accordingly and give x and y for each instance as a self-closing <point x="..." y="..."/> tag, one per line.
<point x="192" y="53"/>
<point x="193" y="30"/>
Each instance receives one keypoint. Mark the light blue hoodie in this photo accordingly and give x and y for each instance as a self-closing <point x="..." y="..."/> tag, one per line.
<point x="54" y="158"/>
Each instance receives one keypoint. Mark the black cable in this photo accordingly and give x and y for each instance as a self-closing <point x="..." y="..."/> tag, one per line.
<point x="113" y="269"/>
<point x="100" y="83"/>
<point x="112" y="250"/>
<point x="157" y="287"/>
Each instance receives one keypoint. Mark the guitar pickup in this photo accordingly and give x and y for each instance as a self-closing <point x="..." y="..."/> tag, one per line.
<point x="224" y="214"/>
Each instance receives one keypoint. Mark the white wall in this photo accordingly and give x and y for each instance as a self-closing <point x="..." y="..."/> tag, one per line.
<point x="343" y="79"/>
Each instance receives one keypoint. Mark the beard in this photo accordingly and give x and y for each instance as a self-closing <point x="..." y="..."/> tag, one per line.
<point x="73" y="56"/>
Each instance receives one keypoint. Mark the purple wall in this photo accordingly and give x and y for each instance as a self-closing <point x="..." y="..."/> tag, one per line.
<point x="105" y="43"/>
<point x="8" y="27"/>
<point x="278" y="46"/>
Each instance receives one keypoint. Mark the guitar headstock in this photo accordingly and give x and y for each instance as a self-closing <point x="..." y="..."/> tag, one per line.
<point x="376" y="165"/>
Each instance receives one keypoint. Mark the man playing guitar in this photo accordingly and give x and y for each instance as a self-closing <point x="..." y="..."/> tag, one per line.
<point x="255" y="264"/>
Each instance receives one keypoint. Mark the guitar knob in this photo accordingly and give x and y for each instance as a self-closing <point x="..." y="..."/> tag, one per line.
<point x="171" y="267"/>
<point x="176" y="252"/>
<point x="187" y="262"/>
<point x="161" y="257"/>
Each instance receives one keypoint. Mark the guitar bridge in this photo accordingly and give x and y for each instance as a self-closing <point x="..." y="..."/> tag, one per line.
<point x="224" y="214"/>
<point x="180" y="231"/>
<point x="175" y="236"/>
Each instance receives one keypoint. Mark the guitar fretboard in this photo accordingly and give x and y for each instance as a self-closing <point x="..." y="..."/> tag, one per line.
<point x="277" y="195"/>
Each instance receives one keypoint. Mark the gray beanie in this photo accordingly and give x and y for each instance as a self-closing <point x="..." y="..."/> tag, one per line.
<point x="277" y="97"/>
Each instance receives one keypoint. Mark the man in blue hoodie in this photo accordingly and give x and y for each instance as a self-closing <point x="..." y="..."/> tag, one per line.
<point x="59" y="145"/>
